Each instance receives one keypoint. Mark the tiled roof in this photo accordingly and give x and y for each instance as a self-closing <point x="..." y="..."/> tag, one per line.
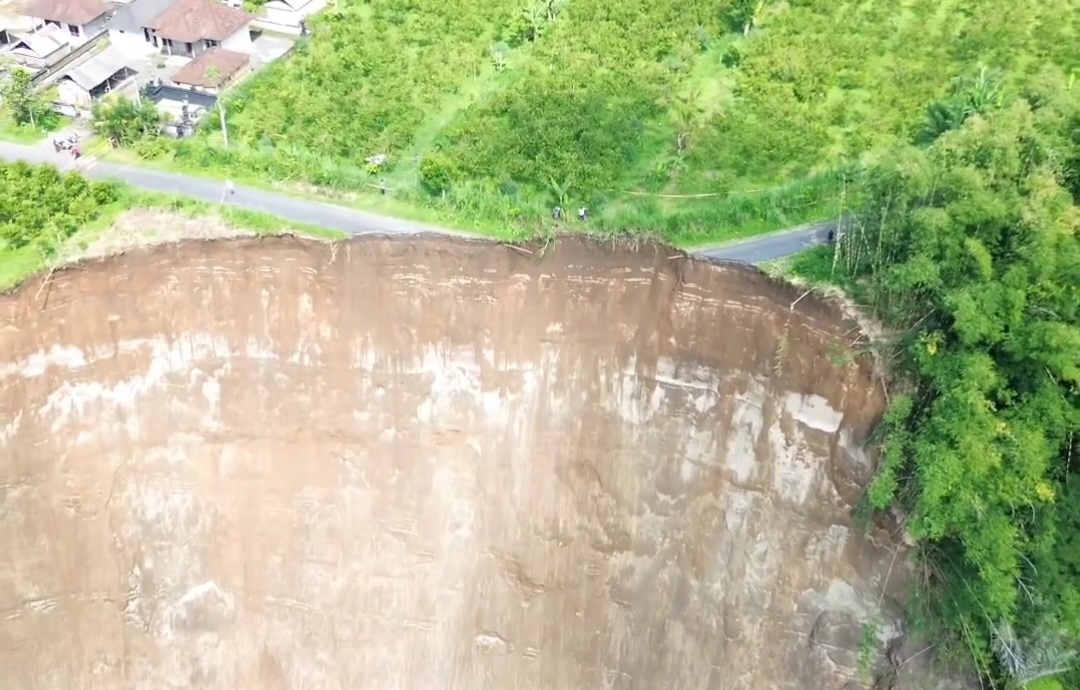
<point x="68" y="11"/>
<point x="195" y="20"/>
<point x="212" y="68"/>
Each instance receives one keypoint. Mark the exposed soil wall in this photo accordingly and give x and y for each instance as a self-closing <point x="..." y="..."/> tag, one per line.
<point x="431" y="463"/>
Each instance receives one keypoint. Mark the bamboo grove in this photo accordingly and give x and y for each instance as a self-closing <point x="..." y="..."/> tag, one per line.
<point x="967" y="243"/>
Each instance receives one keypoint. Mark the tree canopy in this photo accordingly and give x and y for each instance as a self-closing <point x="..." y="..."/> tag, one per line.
<point x="25" y="104"/>
<point x="970" y="248"/>
<point x="126" y="122"/>
<point x="695" y="120"/>
<point x="44" y="206"/>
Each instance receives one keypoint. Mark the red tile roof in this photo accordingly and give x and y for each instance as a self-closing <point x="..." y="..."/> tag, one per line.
<point x="212" y="68"/>
<point x="195" y="20"/>
<point x="68" y="11"/>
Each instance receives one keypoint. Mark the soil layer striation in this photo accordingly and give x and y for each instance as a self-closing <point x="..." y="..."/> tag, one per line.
<point x="433" y="463"/>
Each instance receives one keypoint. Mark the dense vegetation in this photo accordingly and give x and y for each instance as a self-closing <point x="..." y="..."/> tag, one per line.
<point x="695" y="119"/>
<point x="46" y="215"/>
<point x="40" y="208"/>
<point x="44" y="206"/>
<point x="703" y="120"/>
<point x="22" y="107"/>
<point x="967" y="242"/>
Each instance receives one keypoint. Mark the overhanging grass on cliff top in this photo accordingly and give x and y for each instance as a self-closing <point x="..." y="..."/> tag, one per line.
<point x="494" y="112"/>
<point x="50" y="218"/>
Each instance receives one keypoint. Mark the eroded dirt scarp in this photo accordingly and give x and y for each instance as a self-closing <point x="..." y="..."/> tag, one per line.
<point x="432" y="463"/>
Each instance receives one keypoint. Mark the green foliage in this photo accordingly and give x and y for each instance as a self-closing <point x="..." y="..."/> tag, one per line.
<point x="971" y="250"/>
<point x="1032" y="661"/>
<point x="127" y="122"/>
<point x="587" y="134"/>
<point x="43" y="206"/>
<point x="25" y="104"/>
<point x="967" y="97"/>
<point x="742" y="101"/>
<point x="437" y="173"/>
<point x="868" y="647"/>
<point x="366" y="81"/>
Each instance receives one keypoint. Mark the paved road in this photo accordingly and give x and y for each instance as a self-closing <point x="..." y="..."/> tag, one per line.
<point x="351" y="221"/>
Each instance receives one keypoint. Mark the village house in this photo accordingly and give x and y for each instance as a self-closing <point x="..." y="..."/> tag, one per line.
<point x="81" y="19"/>
<point x="286" y="16"/>
<point x="192" y="27"/>
<point x="13" y="25"/>
<point x="129" y="28"/>
<point x="40" y="49"/>
<point x="213" y="71"/>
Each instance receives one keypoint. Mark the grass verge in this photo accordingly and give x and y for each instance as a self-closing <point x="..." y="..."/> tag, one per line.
<point x="142" y="219"/>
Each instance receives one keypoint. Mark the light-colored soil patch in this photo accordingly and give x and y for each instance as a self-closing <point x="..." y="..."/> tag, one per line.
<point x="144" y="227"/>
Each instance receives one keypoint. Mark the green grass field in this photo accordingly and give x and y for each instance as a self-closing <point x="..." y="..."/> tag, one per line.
<point x="19" y="134"/>
<point x="698" y="121"/>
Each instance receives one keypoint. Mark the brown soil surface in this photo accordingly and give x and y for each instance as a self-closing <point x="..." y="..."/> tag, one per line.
<point x="431" y="463"/>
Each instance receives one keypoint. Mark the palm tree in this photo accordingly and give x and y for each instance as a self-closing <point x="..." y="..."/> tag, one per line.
<point x="1026" y="661"/>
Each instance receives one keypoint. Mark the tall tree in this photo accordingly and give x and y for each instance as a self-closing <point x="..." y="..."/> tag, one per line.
<point x="27" y="105"/>
<point x="970" y="248"/>
<point x="125" y="121"/>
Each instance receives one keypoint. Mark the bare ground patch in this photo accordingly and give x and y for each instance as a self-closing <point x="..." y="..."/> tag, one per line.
<point x="143" y="227"/>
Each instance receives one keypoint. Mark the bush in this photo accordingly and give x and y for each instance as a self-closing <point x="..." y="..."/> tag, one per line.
<point x="44" y="206"/>
<point x="437" y="173"/>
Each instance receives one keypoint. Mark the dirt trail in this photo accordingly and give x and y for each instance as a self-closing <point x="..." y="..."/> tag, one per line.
<point x="433" y="463"/>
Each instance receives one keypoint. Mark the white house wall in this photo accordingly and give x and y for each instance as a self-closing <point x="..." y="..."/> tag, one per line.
<point x="283" y="16"/>
<point x="239" y="42"/>
<point x="95" y="27"/>
<point x="27" y="59"/>
<point x="133" y="44"/>
<point x="70" y="93"/>
<point x="280" y="16"/>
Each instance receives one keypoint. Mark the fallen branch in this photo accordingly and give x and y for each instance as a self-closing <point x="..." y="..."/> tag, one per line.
<point x="523" y="250"/>
<point x="45" y="282"/>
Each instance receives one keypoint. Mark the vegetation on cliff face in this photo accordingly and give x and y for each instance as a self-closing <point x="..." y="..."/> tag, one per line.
<point x="697" y="120"/>
<point x="968" y="243"/>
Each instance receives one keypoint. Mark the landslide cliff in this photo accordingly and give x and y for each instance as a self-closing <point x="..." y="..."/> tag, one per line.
<point x="435" y="463"/>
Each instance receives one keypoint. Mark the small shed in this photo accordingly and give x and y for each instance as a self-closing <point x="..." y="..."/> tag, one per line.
<point x="93" y="78"/>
